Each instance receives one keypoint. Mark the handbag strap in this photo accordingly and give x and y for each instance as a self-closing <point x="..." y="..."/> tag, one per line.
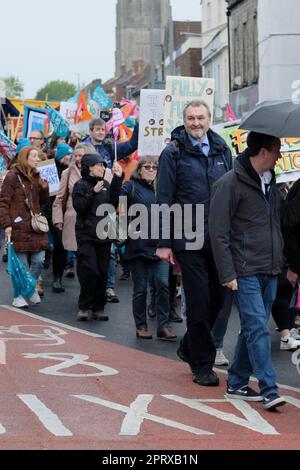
<point x="67" y="191"/>
<point x="27" y="202"/>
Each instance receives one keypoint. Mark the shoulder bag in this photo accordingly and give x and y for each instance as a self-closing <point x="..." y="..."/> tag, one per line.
<point x="39" y="223"/>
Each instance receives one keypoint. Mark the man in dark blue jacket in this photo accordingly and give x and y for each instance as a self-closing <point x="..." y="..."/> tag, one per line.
<point x="105" y="148"/>
<point x="188" y="167"/>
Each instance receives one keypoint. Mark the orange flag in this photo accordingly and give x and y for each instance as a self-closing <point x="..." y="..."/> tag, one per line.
<point x="82" y="113"/>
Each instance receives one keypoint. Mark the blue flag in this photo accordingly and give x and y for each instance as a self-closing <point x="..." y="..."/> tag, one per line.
<point x="22" y="281"/>
<point x="101" y="97"/>
<point x="60" y="125"/>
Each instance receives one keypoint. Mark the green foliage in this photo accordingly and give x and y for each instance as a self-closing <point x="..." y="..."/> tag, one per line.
<point x="13" y="87"/>
<point x="57" y="90"/>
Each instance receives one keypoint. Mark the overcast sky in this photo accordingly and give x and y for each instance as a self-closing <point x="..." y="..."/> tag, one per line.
<point x="65" y="41"/>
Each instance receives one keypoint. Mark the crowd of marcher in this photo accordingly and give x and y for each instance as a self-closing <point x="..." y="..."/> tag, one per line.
<point x="250" y="232"/>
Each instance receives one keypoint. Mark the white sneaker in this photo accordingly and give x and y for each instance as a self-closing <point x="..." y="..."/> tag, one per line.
<point x="221" y="360"/>
<point x="295" y="333"/>
<point x="288" y="343"/>
<point x="83" y="315"/>
<point x="35" y="298"/>
<point x="19" y="302"/>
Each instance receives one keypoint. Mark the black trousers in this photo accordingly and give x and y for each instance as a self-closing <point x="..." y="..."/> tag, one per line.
<point x="282" y="314"/>
<point x="59" y="255"/>
<point x="92" y="265"/>
<point x="204" y="299"/>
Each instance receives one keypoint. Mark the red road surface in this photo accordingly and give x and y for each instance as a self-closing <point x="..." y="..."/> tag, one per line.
<point x="63" y="388"/>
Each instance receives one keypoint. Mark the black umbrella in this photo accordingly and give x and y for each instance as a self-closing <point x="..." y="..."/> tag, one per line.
<point x="278" y="118"/>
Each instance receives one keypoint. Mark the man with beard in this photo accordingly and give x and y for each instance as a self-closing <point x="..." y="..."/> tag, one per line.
<point x="188" y="167"/>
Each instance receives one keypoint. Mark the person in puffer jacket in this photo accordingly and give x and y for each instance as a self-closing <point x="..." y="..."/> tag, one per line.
<point x="93" y="252"/>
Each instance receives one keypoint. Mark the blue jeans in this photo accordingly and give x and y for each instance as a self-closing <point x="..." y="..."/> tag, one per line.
<point x="254" y="299"/>
<point x="34" y="261"/>
<point x="140" y="268"/>
<point x="220" y="326"/>
<point x="111" y="272"/>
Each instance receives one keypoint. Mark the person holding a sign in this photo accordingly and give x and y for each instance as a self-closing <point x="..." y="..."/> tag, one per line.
<point x="23" y="191"/>
<point x="90" y="193"/>
<point x="107" y="149"/>
<point x="188" y="167"/>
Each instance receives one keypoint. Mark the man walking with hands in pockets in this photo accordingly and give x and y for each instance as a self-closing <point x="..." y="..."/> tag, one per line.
<point x="247" y="244"/>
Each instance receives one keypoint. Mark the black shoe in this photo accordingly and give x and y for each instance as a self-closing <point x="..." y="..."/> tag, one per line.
<point x="4" y="258"/>
<point x="100" y="315"/>
<point x="273" y="401"/>
<point x="57" y="287"/>
<point x="69" y="272"/>
<point x="243" y="393"/>
<point x="111" y="296"/>
<point x="207" y="378"/>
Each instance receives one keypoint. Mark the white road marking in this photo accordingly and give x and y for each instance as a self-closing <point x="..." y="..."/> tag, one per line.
<point x="133" y="420"/>
<point x="142" y="415"/>
<point x="292" y="401"/>
<point x="49" y="420"/>
<point x="70" y="360"/>
<point x="53" y="322"/>
<point x="253" y="421"/>
<point x="2" y="352"/>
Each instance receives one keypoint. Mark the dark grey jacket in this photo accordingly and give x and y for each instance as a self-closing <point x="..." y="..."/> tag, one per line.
<point x="244" y="224"/>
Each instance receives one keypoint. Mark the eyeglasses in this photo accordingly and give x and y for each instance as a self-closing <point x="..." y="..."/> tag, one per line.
<point x="35" y="138"/>
<point x="150" y="167"/>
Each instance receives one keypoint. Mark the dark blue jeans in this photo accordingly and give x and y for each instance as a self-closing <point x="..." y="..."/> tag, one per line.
<point x="140" y="268"/>
<point x="254" y="299"/>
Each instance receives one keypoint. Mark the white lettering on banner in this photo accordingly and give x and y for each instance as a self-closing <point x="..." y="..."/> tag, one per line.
<point x="70" y="360"/>
<point x="50" y="420"/>
<point x="2" y="352"/>
<point x="48" y="171"/>
<point x="15" y="332"/>
<point x="135" y="420"/>
<point x="253" y="421"/>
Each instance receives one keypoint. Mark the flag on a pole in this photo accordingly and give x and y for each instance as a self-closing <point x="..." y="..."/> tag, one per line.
<point x="7" y="149"/>
<point x="82" y="113"/>
<point x="230" y="116"/>
<point x="60" y="125"/>
<point x="101" y="98"/>
<point x="117" y="119"/>
<point x="128" y="108"/>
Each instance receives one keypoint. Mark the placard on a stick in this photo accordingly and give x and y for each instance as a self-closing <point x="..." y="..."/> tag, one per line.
<point x="48" y="171"/>
<point x="179" y="91"/>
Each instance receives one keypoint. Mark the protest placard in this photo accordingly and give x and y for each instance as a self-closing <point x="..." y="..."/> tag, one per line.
<point x="179" y="91"/>
<point x="151" y="122"/>
<point x="34" y="120"/>
<point x="48" y="171"/>
<point x="287" y="168"/>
